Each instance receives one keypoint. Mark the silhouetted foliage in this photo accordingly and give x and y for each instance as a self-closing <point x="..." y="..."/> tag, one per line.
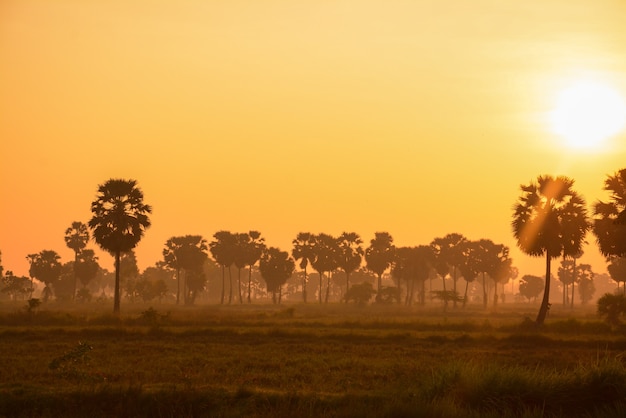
<point x="608" y="220"/>
<point x="16" y="287"/>
<point x="304" y="250"/>
<point x="223" y="249"/>
<point x="550" y="219"/>
<point x="617" y="270"/>
<point x="276" y="267"/>
<point x="326" y="259"/>
<point x="187" y="253"/>
<point x="612" y="307"/>
<point x="350" y="254"/>
<point x="360" y="293"/>
<point x="380" y="255"/>
<point x="46" y="267"/>
<point x="531" y="286"/>
<point x="120" y="219"/>
<point x="86" y="267"/>
<point x="76" y="238"/>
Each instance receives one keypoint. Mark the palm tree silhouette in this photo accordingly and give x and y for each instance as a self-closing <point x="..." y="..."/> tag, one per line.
<point x="76" y="238"/>
<point x="549" y="219"/>
<point x="326" y="260"/>
<point x="253" y="249"/>
<point x="609" y="224"/>
<point x="445" y="250"/>
<point x="304" y="250"/>
<point x="223" y="250"/>
<point x="350" y="254"/>
<point x="380" y="255"/>
<point x="120" y="219"/>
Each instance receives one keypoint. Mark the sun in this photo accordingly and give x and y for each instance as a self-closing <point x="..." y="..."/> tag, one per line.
<point x="587" y="113"/>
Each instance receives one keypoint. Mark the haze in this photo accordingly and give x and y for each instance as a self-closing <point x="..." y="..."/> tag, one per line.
<point x="417" y="118"/>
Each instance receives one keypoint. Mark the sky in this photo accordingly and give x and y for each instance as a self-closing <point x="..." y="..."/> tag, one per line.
<point x="419" y="118"/>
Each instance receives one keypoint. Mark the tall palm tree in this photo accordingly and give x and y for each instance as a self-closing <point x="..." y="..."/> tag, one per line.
<point x="350" y="254"/>
<point x="253" y="250"/>
<point x="325" y="259"/>
<point x="469" y="267"/>
<point x="223" y="250"/>
<point x="120" y="219"/>
<point x="609" y="225"/>
<point x="76" y="238"/>
<point x="304" y="250"/>
<point x="380" y="255"/>
<point x="549" y="219"/>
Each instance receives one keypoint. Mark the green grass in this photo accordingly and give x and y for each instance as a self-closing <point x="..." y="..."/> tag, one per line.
<point x="309" y="360"/>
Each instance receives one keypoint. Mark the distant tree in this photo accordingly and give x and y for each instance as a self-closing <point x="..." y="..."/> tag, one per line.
<point x="47" y="268"/>
<point x="350" y="254"/>
<point x="380" y="255"/>
<point x="86" y="267"/>
<point x="360" y="293"/>
<point x="617" y="270"/>
<point x="609" y="217"/>
<point x="64" y="285"/>
<point x="567" y="275"/>
<point x="1" y="268"/>
<point x="223" y="249"/>
<point x="612" y="307"/>
<point x="531" y="286"/>
<point x="120" y="219"/>
<point x="276" y="267"/>
<point x="492" y="260"/>
<point x="413" y="264"/>
<point x="326" y="259"/>
<point x="16" y="287"/>
<point x="304" y="250"/>
<point x="469" y="267"/>
<point x="76" y="238"/>
<point x="445" y="251"/>
<point x="129" y="274"/>
<point x="550" y="219"/>
<point x="252" y="250"/>
<point x="586" y="287"/>
<point x="187" y="253"/>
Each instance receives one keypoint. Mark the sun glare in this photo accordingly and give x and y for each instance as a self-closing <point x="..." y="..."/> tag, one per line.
<point x="587" y="113"/>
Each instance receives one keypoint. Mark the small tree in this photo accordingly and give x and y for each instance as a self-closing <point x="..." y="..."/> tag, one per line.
<point x="360" y="293"/>
<point x="531" y="286"/>
<point x="612" y="307"/>
<point x="276" y="267"/>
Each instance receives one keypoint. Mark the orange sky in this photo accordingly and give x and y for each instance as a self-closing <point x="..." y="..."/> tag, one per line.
<point x="419" y="118"/>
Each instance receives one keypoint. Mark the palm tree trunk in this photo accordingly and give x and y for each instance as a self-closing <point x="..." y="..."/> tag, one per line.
<point x="454" y="278"/>
<point x="116" y="294"/>
<point x="327" y="287"/>
<point x="304" y="286"/>
<point x="223" y="284"/>
<point x="321" y="273"/>
<point x="495" y="294"/>
<point x="484" y="292"/>
<point x="239" y="284"/>
<point x="230" y="286"/>
<point x="177" y="285"/>
<point x="249" y="282"/>
<point x="545" y="302"/>
<point x="75" y="276"/>
<point x="348" y="283"/>
<point x="465" y="294"/>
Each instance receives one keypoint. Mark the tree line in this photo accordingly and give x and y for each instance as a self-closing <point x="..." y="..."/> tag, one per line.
<point x="550" y="219"/>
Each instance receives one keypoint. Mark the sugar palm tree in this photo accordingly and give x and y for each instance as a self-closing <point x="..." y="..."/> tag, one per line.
<point x="350" y="254"/>
<point x="223" y="250"/>
<point x="326" y="250"/>
<point x="120" y="219"/>
<point x="304" y="250"/>
<point x="76" y="238"/>
<point x="188" y="253"/>
<point x="549" y="219"/>
<point x="380" y="255"/>
<point x="609" y="218"/>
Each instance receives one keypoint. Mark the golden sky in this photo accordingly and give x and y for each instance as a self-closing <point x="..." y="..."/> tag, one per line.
<point x="419" y="118"/>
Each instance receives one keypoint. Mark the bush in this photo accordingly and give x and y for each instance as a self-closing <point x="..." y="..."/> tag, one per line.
<point x="611" y="307"/>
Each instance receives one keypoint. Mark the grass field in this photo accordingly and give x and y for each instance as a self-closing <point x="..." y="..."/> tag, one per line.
<point x="308" y="360"/>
